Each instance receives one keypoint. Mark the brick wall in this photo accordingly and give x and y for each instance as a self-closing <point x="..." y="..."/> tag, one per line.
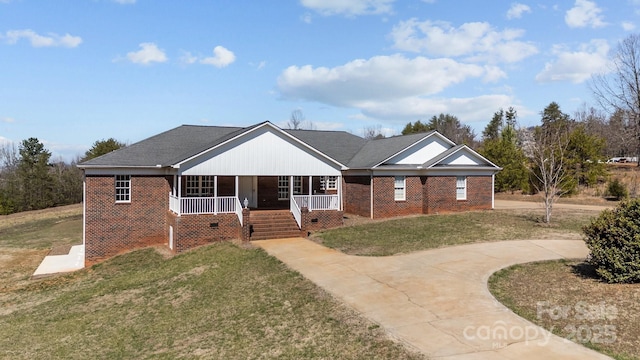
<point x="423" y="195"/>
<point x="357" y="195"/>
<point x="384" y="202"/>
<point x="190" y="231"/>
<point x="112" y="228"/>
<point x="321" y="219"/>
<point x="440" y="194"/>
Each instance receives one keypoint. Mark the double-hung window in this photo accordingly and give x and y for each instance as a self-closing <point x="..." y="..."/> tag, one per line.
<point x="461" y="188"/>
<point x="399" y="187"/>
<point x="283" y="187"/>
<point x="199" y="185"/>
<point x="329" y="183"/>
<point x="123" y="188"/>
<point x="297" y="185"/>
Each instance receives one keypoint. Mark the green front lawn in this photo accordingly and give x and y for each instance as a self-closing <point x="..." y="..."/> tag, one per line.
<point x="409" y="234"/>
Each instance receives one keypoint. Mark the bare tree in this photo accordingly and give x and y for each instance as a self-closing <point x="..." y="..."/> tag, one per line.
<point x="547" y="155"/>
<point x="297" y="121"/>
<point x="372" y="132"/>
<point x="620" y="89"/>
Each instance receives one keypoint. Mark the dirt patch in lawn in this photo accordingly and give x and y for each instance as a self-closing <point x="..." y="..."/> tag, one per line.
<point x="567" y="298"/>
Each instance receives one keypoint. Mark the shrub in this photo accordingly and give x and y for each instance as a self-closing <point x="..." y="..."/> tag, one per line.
<point x="613" y="239"/>
<point x="617" y="189"/>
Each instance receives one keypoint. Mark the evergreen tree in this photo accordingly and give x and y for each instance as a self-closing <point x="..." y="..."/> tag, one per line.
<point x="33" y="172"/>
<point x="101" y="147"/>
<point x="500" y="147"/>
<point x="584" y="157"/>
<point x="447" y="125"/>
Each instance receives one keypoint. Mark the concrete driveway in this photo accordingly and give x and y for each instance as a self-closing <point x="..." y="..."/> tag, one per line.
<point x="437" y="301"/>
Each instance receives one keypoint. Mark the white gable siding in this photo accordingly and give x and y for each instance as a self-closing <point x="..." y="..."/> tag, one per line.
<point x="462" y="158"/>
<point x="263" y="151"/>
<point x="421" y="152"/>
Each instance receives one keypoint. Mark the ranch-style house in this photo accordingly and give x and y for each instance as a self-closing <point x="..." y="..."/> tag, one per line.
<point x="192" y="185"/>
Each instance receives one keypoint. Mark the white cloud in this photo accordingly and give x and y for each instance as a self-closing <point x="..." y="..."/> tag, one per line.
<point x="7" y="120"/>
<point x="576" y="66"/>
<point x="221" y="57"/>
<point x="37" y="40"/>
<point x="628" y="26"/>
<point x="148" y="53"/>
<point x="469" y="109"/>
<point x="349" y="7"/>
<point x="188" y="58"/>
<point x="585" y="13"/>
<point x="478" y="41"/>
<point x="125" y="1"/>
<point x="378" y="78"/>
<point x="393" y="87"/>
<point x="516" y="10"/>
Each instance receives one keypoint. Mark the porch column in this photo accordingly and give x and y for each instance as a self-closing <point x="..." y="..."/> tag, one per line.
<point x="180" y="194"/>
<point x="215" y="194"/>
<point x="310" y="185"/>
<point x="290" y="187"/>
<point x="237" y="186"/>
<point x="339" y="183"/>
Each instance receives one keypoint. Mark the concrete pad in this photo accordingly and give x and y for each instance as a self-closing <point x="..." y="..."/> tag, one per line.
<point x="55" y="264"/>
<point x="437" y="301"/>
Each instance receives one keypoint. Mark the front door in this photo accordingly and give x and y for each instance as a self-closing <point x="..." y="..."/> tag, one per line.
<point x="248" y="189"/>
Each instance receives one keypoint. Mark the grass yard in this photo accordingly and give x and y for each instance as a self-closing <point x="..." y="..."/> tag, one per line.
<point x="568" y="299"/>
<point x="381" y="238"/>
<point x="218" y="301"/>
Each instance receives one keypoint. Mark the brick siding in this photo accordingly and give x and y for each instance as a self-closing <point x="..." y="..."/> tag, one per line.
<point x="440" y="194"/>
<point x="357" y="195"/>
<point x="384" y="203"/>
<point x="321" y="219"/>
<point x="112" y="228"/>
<point x="190" y="231"/>
<point x="423" y="195"/>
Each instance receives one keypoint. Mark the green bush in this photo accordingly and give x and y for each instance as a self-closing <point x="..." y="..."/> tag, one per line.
<point x="617" y="189"/>
<point x="613" y="240"/>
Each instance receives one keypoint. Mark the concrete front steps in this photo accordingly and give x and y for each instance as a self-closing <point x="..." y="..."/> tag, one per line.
<point x="273" y="224"/>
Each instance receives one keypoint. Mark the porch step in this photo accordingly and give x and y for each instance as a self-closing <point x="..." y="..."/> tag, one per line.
<point x="273" y="224"/>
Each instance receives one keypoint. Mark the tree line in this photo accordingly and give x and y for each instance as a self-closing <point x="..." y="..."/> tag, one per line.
<point x="30" y="180"/>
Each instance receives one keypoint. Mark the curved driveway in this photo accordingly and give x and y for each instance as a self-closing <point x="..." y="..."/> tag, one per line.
<point x="437" y="301"/>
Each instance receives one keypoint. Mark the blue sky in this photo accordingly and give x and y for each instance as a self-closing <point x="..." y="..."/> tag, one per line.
<point x="76" y="71"/>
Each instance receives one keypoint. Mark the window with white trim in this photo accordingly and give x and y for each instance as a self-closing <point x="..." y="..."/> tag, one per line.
<point x="198" y="185"/>
<point x="123" y="188"/>
<point x="329" y="183"/>
<point x="399" y="188"/>
<point x="461" y="188"/>
<point x="283" y="187"/>
<point x="192" y="186"/>
<point x="297" y="185"/>
<point x="206" y="185"/>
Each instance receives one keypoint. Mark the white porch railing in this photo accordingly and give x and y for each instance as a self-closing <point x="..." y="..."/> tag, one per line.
<point x="295" y="210"/>
<point x="205" y="205"/>
<point x="317" y="202"/>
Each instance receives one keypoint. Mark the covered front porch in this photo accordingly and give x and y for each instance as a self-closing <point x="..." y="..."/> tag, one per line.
<point x="213" y="194"/>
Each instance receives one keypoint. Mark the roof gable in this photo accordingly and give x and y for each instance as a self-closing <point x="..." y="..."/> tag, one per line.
<point x="459" y="156"/>
<point x="253" y="152"/>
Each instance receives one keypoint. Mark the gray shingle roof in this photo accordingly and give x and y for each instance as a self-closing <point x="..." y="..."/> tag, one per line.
<point x="167" y="148"/>
<point x="176" y="145"/>
<point x="338" y="145"/>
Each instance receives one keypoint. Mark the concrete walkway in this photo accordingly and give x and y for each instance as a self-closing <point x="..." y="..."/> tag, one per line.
<point x="54" y="264"/>
<point x="437" y="301"/>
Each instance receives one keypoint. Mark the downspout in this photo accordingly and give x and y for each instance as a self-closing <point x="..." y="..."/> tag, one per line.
<point x="493" y="191"/>
<point x="371" y="195"/>
<point x="84" y="209"/>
